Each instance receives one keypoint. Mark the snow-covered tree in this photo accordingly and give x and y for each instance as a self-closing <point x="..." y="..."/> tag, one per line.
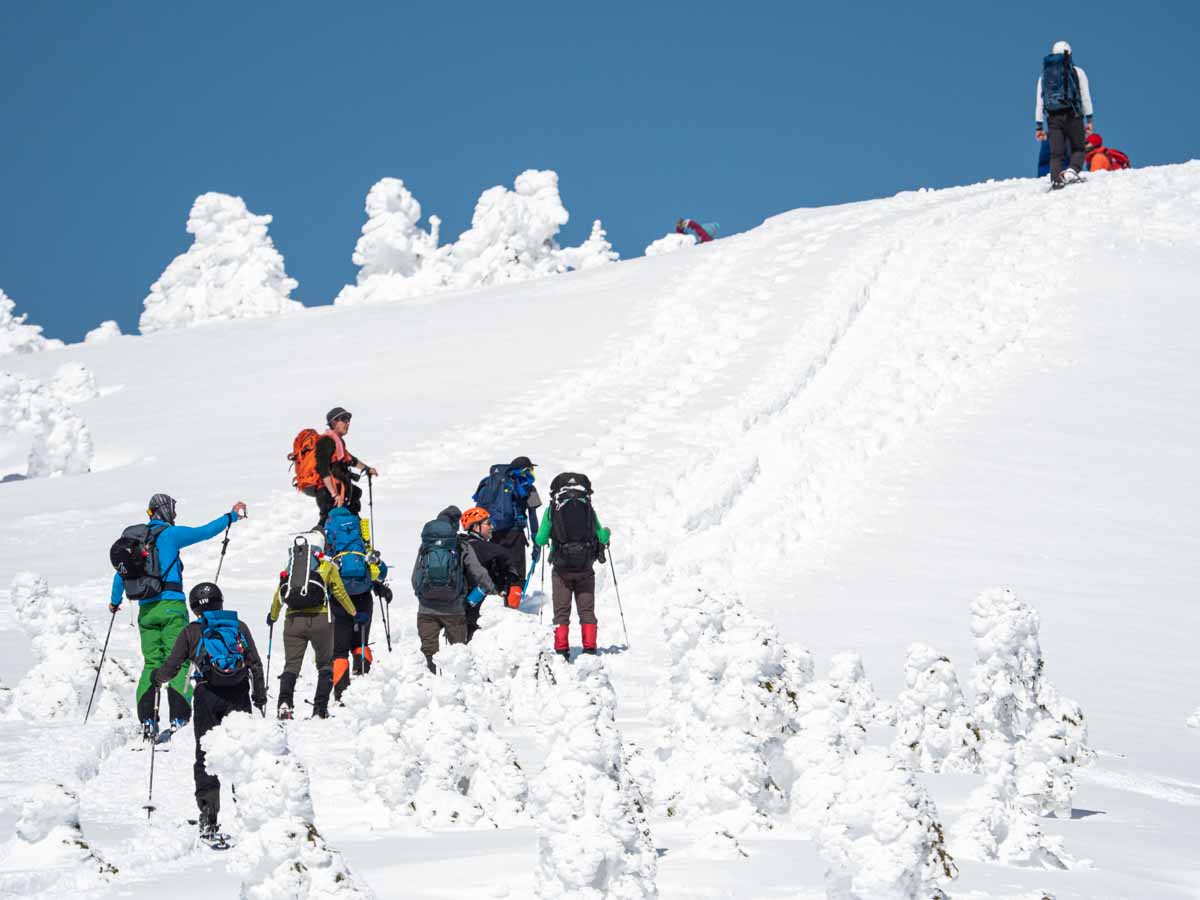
<point x="231" y="271"/>
<point x="881" y="835"/>
<point x="73" y="382"/>
<point x="280" y="853"/>
<point x="62" y="444"/>
<point x="999" y="825"/>
<point x="593" y="840"/>
<point x="105" y="331"/>
<point x="934" y="724"/>
<point x="1015" y="706"/>
<point x="669" y="243"/>
<point x="596" y="251"/>
<point x="1194" y="719"/>
<point x="18" y="337"/>
<point x="53" y="858"/>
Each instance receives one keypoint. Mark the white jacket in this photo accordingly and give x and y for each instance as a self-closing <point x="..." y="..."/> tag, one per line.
<point x="1084" y="93"/>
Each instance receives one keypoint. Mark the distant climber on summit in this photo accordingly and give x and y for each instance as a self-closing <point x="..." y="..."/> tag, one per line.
<point x="702" y="233"/>
<point x="151" y="573"/>
<point x="1100" y="158"/>
<point x="333" y="467"/>
<point x="1063" y="113"/>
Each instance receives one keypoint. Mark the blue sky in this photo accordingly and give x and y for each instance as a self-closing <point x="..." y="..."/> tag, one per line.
<point x="116" y="116"/>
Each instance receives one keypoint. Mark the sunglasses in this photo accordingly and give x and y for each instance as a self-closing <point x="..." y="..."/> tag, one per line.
<point x="345" y="417"/>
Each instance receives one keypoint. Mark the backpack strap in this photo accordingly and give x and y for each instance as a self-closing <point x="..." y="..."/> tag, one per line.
<point x="152" y="539"/>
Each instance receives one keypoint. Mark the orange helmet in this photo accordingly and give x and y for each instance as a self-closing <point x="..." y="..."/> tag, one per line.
<point x="476" y="515"/>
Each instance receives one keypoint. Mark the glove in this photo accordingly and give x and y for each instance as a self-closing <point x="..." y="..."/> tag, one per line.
<point x="270" y="620"/>
<point x="113" y="607"/>
<point x="536" y="553"/>
<point x="362" y="617"/>
<point x="513" y="599"/>
<point x="383" y="592"/>
<point x="476" y="596"/>
<point x="601" y="555"/>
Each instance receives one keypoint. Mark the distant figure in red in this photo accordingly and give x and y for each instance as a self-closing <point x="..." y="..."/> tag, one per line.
<point x="1100" y="157"/>
<point x="703" y="233"/>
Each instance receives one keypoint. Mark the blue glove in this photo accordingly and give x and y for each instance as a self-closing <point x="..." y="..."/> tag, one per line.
<point x="362" y="617"/>
<point x="476" y="596"/>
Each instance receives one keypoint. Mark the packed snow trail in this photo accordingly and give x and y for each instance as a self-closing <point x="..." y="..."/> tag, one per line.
<point x="748" y="410"/>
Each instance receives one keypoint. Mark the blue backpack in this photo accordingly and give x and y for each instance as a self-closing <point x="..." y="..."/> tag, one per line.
<point x="345" y="547"/>
<point x="497" y="494"/>
<point x="438" y="577"/>
<point x="221" y="659"/>
<point x="1060" y="85"/>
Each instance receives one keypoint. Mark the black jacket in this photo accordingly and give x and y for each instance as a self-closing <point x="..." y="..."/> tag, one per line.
<point x="496" y="559"/>
<point x="325" y="464"/>
<point x="188" y="644"/>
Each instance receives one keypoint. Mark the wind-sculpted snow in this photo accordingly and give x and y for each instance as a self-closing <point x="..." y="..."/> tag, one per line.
<point x="74" y="382"/>
<point x="231" y="271"/>
<point x="512" y="238"/>
<point x="48" y="852"/>
<point x="935" y="728"/>
<point x="280" y="855"/>
<point x="669" y="243"/>
<point x="427" y="753"/>
<point x="1194" y="719"/>
<point x="506" y="650"/>
<point x="593" y="839"/>
<point x="61" y="442"/>
<point x="881" y="835"/>
<point x="67" y="650"/>
<point x="16" y="336"/>
<point x="1016" y="707"/>
<point x="723" y="713"/>
<point x="105" y="331"/>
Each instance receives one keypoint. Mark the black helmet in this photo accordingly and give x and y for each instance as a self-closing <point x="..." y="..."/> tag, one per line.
<point x="205" y="597"/>
<point x="162" y="507"/>
<point x="336" y="413"/>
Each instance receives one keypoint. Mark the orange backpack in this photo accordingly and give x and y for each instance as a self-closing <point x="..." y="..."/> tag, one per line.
<point x="304" y="458"/>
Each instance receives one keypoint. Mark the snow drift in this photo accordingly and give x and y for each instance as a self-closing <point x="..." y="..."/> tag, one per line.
<point x="16" y="336"/>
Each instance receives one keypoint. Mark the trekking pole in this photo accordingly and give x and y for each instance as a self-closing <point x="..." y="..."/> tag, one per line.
<point x="270" y="644"/>
<point x="99" y="667"/>
<point x="387" y="625"/>
<point x="224" y="547"/>
<point x="371" y="506"/>
<point x="617" y="588"/>
<point x="528" y="578"/>
<point x="149" y="807"/>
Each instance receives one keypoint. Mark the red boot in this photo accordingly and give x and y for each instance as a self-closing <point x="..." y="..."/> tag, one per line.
<point x="589" y="638"/>
<point x="562" y="642"/>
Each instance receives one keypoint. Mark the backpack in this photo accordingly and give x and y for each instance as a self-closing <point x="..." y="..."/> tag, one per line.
<point x="573" y="524"/>
<point x="221" y="656"/>
<point x="345" y="547"/>
<point x="439" y="577"/>
<point x="1118" y="159"/>
<point x="304" y="459"/>
<point x="497" y="494"/>
<point x="1060" y="85"/>
<point x="135" y="557"/>
<point x="302" y="586"/>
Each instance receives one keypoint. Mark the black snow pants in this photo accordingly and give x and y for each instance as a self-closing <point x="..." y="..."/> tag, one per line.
<point x="210" y="706"/>
<point x="1063" y="128"/>
<point x="348" y="641"/>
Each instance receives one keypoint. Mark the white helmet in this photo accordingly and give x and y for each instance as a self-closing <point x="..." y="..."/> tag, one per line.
<point x="1061" y="47"/>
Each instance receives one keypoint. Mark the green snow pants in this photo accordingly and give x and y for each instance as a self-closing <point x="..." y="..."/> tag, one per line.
<point x="159" y="624"/>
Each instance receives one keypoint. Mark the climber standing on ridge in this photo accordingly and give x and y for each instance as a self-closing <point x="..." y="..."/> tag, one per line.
<point x="226" y="660"/>
<point x="702" y="233"/>
<point x="1063" y="113"/>
<point x="162" y="614"/>
<point x="334" y="462"/>
<point x="577" y="540"/>
<point x="506" y="578"/>
<point x="511" y="501"/>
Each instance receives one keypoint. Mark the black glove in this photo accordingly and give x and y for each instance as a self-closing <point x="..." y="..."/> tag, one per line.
<point x="270" y="620"/>
<point x="600" y="555"/>
<point x="260" y="703"/>
<point x="383" y="592"/>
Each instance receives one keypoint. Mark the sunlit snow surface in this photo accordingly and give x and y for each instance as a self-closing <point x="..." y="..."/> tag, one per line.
<point x="818" y="443"/>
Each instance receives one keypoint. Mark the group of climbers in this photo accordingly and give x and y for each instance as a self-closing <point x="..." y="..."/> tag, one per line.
<point x="1063" y="122"/>
<point x="332" y="574"/>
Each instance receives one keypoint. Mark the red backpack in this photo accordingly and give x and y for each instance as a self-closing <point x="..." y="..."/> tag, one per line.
<point x="1118" y="159"/>
<point x="304" y="458"/>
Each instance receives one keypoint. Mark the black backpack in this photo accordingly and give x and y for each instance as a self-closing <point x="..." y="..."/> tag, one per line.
<point x="135" y="557"/>
<point x="573" y="524"/>
<point x="302" y="587"/>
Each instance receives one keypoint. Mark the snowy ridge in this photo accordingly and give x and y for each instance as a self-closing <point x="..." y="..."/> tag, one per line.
<point x="746" y="410"/>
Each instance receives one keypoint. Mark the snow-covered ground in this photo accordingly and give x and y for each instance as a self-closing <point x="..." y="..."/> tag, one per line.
<point x="963" y="419"/>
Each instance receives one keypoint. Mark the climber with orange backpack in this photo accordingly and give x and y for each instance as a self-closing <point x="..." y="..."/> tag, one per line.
<point x="1101" y="158"/>
<point x="323" y="466"/>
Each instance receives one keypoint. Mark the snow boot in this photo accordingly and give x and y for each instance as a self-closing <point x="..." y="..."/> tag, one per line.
<point x="1057" y="183"/>
<point x="562" y="641"/>
<point x="283" y="712"/>
<point x="150" y="731"/>
<point x="1069" y="176"/>
<point x="324" y="689"/>
<point x="429" y="664"/>
<point x="589" y="638"/>
<point x="321" y="710"/>
<point x="287" y="693"/>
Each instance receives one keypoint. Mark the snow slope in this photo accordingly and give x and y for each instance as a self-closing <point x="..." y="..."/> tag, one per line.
<point x="848" y="423"/>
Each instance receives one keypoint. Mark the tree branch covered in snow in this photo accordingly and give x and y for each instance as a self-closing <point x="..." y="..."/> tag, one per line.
<point x="593" y="840"/>
<point x="62" y="444"/>
<point x="512" y="238"/>
<point x="935" y="728"/>
<point x="280" y="853"/>
<point x="231" y="271"/>
<point x="18" y="337"/>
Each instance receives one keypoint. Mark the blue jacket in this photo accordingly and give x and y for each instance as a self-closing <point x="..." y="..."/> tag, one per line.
<point x="523" y="487"/>
<point x="171" y="540"/>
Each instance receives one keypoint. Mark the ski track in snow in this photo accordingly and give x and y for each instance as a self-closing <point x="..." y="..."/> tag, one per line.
<point x="852" y="328"/>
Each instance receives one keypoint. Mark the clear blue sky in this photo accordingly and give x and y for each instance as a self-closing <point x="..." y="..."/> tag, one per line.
<point x="115" y="116"/>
